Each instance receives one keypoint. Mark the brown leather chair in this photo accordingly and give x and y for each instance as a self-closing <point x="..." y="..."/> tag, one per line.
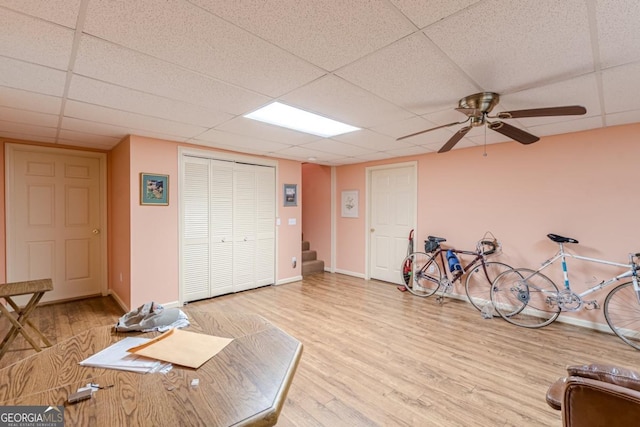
<point x="597" y="395"/>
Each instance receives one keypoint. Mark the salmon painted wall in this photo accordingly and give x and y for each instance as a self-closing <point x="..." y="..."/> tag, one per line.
<point x="3" y="232"/>
<point x="119" y="222"/>
<point x="154" y="251"/>
<point x="154" y="229"/>
<point x="572" y="184"/>
<point x="316" y="210"/>
<point x="289" y="236"/>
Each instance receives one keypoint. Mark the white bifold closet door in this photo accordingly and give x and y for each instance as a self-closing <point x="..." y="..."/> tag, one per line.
<point x="228" y="215"/>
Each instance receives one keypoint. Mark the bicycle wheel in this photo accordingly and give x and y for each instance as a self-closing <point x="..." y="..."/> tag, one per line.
<point x="424" y="274"/>
<point x="477" y="287"/>
<point x="525" y="298"/>
<point x="622" y="311"/>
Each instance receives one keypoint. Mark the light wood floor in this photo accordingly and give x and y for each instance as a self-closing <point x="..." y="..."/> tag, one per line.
<point x="374" y="356"/>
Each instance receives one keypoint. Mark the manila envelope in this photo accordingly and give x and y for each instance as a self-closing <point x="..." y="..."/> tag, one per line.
<point x="184" y="348"/>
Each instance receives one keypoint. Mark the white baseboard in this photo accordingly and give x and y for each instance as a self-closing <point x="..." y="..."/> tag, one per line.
<point x="172" y="304"/>
<point x="350" y="273"/>
<point x="289" y="280"/>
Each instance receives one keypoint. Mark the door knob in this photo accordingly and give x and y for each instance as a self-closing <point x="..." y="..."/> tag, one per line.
<point x="372" y="230"/>
<point x="96" y="231"/>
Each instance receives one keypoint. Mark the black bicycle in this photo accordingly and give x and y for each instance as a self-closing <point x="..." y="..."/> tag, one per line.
<point x="439" y="268"/>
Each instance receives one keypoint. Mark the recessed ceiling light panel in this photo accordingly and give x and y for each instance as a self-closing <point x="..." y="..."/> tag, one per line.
<point x="286" y="116"/>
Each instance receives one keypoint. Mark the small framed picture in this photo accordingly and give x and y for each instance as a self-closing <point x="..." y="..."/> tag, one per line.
<point x="290" y="195"/>
<point x="349" y="204"/>
<point x="154" y="189"/>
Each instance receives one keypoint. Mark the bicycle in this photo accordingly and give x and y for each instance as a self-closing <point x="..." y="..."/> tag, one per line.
<point x="425" y="276"/>
<point x="528" y="298"/>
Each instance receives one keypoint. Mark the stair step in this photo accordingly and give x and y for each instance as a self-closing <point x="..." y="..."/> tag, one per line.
<point x="305" y="245"/>
<point x="311" y="267"/>
<point x="309" y="256"/>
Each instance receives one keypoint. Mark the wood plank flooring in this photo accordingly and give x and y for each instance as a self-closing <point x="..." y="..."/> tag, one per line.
<point x="374" y="356"/>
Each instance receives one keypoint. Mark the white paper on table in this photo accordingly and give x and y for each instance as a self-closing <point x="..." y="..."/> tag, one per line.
<point x="116" y="357"/>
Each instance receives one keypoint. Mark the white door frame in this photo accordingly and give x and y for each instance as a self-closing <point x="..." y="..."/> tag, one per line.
<point x="11" y="148"/>
<point x="369" y="172"/>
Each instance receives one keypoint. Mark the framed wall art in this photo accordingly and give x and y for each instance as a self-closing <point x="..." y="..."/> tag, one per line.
<point x="154" y="189"/>
<point x="349" y="203"/>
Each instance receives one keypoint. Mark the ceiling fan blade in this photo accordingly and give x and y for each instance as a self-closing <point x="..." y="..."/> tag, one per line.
<point x="513" y="132"/>
<point x="569" y="110"/>
<point x="454" y="139"/>
<point x="429" y="130"/>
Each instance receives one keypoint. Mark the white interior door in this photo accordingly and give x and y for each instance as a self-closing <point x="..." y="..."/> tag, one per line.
<point x="54" y="220"/>
<point x="392" y="215"/>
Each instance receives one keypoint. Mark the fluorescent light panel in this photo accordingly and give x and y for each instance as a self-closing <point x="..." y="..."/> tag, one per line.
<point x="286" y="116"/>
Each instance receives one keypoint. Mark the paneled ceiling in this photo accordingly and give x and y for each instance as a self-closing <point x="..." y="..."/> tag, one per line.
<point x="89" y="72"/>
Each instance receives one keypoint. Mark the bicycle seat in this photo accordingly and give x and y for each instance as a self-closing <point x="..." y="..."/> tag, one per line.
<point x="436" y="239"/>
<point x="561" y="239"/>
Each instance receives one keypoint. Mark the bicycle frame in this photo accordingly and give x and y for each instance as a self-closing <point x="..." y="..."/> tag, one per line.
<point x="469" y="266"/>
<point x="563" y="255"/>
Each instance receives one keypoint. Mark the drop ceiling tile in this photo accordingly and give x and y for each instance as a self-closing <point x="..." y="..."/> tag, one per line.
<point x="30" y="101"/>
<point x="301" y="153"/>
<point x="84" y="139"/>
<point x="114" y="64"/>
<point x="264" y="131"/>
<point x="412" y="73"/>
<point x="506" y="48"/>
<point x="371" y="157"/>
<point x="27" y="130"/>
<point x="403" y="127"/>
<point x="27" y="136"/>
<point x="28" y="117"/>
<point x="415" y="150"/>
<point x="31" y="77"/>
<point x="139" y="122"/>
<point x="33" y="40"/>
<point x="336" y="147"/>
<point x="181" y="33"/>
<point x="578" y="91"/>
<point x="424" y="13"/>
<point x="230" y="140"/>
<point x="337" y="99"/>
<point x="576" y="125"/>
<point x="116" y="97"/>
<point x="617" y="22"/>
<point x="617" y="84"/>
<point x="63" y="12"/>
<point x="327" y="34"/>
<point x="370" y="140"/>
<point x="93" y="128"/>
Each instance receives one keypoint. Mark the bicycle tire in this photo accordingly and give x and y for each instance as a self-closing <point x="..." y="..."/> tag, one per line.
<point x="525" y="298"/>
<point x="476" y="286"/>
<point x="622" y="312"/>
<point x="425" y="274"/>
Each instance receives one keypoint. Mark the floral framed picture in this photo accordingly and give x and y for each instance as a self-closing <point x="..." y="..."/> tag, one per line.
<point x="349" y="204"/>
<point x="154" y="189"/>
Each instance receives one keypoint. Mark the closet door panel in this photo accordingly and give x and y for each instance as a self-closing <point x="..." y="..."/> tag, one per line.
<point x="195" y="251"/>
<point x="244" y="227"/>
<point x="221" y="223"/>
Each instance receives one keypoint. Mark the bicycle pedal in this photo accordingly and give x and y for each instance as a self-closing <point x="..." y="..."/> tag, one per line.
<point x="591" y="305"/>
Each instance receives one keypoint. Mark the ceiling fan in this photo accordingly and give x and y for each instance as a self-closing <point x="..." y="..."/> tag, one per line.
<point x="477" y="108"/>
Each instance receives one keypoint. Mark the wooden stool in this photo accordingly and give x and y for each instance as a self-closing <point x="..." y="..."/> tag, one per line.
<point x="35" y="288"/>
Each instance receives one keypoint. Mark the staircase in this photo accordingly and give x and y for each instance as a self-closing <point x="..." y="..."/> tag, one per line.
<point x="310" y="263"/>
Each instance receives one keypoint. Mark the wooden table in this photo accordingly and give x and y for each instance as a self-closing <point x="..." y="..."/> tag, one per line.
<point x="245" y="384"/>
<point x="20" y="318"/>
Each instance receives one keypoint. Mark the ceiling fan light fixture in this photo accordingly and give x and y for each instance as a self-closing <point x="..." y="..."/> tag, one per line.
<point x="294" y="118"/>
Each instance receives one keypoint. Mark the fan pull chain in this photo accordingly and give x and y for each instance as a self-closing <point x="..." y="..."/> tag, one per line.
<point x="484" y="154"/>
